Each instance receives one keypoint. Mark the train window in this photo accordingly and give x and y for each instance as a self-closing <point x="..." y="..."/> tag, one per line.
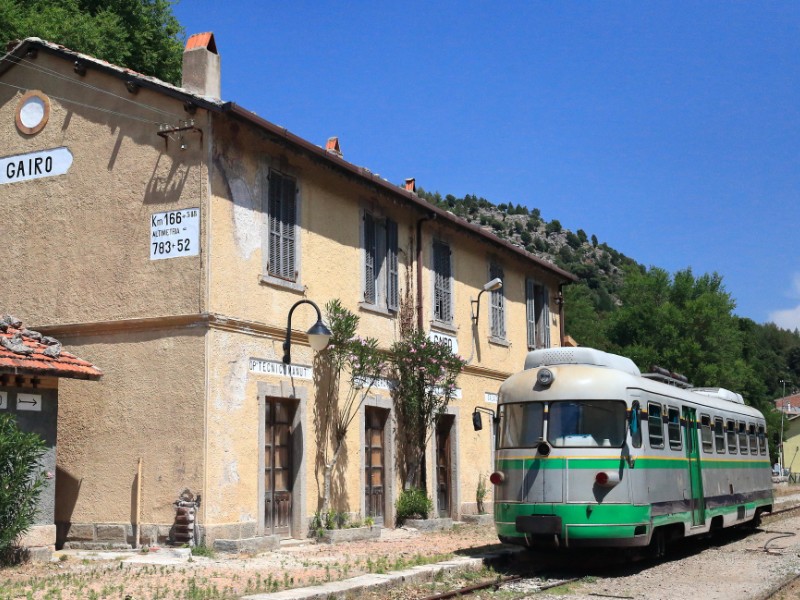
<point x="636" y="425"/>
<point x="655" y="426"/>
<point x="719" y="436"/>
<point x="586" y="423"/>
<point x="730" y="435"/>
<point x="705" y="433"/>
<point x="742" y="438"/>
<point x="674" y="427"/>
<point x="762" y="440"/>
<point x="521" y="425"/>
<point x="751" y="438"/>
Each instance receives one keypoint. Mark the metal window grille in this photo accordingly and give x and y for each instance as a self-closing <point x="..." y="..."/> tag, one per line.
<point x="498" y="307"/>
<point x="370" y="260"/>
<point x="442" y="287"/>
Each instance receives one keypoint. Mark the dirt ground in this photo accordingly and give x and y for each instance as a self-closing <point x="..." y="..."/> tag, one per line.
<point x="95" y="575"/>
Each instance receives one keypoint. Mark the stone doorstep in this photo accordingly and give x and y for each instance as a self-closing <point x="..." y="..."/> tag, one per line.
<point x="336" y="536"/>
<point x="253" y="544"/>
<point x="373" y="582"/>
<point x="85" y="545"/>
<point x="438" y="524"/>
<point x="482" y="519"/>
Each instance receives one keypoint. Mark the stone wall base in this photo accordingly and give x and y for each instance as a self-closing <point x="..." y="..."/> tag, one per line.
<point x="39" y="542"/>
<point x="429" y="524"/>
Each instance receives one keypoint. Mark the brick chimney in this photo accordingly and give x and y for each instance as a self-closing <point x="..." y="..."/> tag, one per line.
<point x="201" y="66"/>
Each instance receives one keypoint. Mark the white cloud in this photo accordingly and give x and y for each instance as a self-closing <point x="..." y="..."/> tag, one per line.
<point x="786" y="319"/>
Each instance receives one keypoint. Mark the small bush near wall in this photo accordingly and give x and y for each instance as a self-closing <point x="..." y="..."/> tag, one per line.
<point x="21" y="482"/>
<point x="413" y="503"/>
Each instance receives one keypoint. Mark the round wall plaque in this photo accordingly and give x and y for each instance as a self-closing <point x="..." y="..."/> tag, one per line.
<point x="33" y="111"/>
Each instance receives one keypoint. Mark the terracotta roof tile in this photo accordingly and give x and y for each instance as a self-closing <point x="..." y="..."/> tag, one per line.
<point x="28" y="352"/>
<point x="202" y="40"/>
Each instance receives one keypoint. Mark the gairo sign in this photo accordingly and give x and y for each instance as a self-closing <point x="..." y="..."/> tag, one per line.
<point x="35" y="165"/>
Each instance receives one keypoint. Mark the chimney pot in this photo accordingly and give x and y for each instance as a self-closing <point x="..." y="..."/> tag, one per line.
<point x="333" y="147"/>
<point x="411" y="185"/>
<point x="201" y="66"/>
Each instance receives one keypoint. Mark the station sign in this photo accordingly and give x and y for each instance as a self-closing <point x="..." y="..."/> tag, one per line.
<point x="35" y="165"/>
<point x="32" y="402"/>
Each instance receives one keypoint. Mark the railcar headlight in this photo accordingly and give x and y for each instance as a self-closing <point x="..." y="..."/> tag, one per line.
<point x="497" y="478"/>
<point x="545" y="377"/>
<point x="604" y="479"/>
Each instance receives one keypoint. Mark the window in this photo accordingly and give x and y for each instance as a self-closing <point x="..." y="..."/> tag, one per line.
<point x="380" y="262"/>
<point x="705" y="433"/>
<point x="742" y="438"/>
<point x="538" y="315"/>
<point x="674" y="428"/>
<point x="282" y="234"/>
<point x="762" y="440"/>
<point x="655" y="426"/>
<point x="635" y="425"/>
<point x="730" y="434"/>
<point x="442" y="283"/>
<point x="719" y="435"/>
<point x="521" y="425"/>
<point x="586" y="423"/>
<point x="751" y="438"/>
<point x="497" y="310"/>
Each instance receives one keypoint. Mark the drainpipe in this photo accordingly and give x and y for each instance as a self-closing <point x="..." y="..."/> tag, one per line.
<point x="431" y="217"/>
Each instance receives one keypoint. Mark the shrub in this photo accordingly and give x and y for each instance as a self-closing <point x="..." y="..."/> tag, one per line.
<point x="21" y="483"/>
<point x="413" y="503"/>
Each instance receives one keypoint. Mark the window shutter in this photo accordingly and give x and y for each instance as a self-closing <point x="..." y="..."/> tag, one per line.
<point x="530" y="311"/>
<point x="369" y="259"/>
<point x="282" y="222"/>
<point x="545" y="324"/>
<point x="393" y="283"/>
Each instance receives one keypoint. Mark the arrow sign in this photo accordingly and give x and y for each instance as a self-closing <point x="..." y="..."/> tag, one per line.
<point x="29" y="402"/>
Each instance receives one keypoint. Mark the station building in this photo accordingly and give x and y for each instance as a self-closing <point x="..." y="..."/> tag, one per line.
<point x="165" y="235"/>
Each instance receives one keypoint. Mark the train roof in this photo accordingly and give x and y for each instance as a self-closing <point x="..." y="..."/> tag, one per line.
<point x="605" y="374"/>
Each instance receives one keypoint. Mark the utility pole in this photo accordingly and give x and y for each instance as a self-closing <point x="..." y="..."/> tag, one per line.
<point x="784" y="408"/>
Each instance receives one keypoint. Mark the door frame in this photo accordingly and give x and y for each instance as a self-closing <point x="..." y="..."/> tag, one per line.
<point x="389" y="458"/>
<point x="299" y="395"/>
<point x="455" y="481"/>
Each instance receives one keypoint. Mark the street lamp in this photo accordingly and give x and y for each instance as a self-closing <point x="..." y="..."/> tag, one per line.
<point x="491" y="286"/>
<point x="318" y="335"/>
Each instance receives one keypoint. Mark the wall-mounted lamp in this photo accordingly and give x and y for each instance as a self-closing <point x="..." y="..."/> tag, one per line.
<point x="477" y="424"/>
<point x="491" y="286"/>
<point x="318" y="335"/>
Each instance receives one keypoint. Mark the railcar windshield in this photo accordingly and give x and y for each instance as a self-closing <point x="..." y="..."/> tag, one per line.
<point x="586" y="423"/>
<point x="521" y="425"/>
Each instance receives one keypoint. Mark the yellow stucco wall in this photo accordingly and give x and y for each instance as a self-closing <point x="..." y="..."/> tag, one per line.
<point x="175" y="337"/>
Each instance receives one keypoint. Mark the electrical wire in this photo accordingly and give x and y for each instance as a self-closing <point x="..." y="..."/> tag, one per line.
<point x="89" y="106"/>
<point x="27" y="64"/>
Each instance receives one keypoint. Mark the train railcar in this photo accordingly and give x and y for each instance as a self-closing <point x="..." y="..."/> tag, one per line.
<point x="590" y="452"/>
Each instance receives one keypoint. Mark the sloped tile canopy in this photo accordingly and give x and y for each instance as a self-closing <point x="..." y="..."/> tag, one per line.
<point x="27" y="352"/>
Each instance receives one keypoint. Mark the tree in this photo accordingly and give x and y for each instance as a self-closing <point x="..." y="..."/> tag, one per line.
<point x="553" y="226"/>
<point x="423" y="374"/>
<point x="142" y="35"/>
<point x="359" y="363"/>
<point x="21" y="482"/>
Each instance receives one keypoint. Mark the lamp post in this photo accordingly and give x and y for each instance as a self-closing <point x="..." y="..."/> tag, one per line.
<point x="491" y="286"/>
<point x="783" y="413"/>
<point x="318" y="334"/>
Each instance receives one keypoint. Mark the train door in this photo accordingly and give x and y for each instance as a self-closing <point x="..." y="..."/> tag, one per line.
<point x="695" y="473"/>
<point x="278" y="466"/>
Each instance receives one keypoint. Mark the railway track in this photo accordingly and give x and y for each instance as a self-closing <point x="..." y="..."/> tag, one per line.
<point x="542" y="577"/>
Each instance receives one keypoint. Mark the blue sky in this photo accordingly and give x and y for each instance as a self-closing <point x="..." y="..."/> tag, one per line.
<point x="671" y="130"/>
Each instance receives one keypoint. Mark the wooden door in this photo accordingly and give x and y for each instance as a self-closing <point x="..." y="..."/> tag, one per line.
<point x="374" y="468"/>
<point x="278" y="474"/>
<point x="443" y="465"/>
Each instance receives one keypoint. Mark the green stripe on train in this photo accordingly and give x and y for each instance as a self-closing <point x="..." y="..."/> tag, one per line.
<point x="641" y="462"/>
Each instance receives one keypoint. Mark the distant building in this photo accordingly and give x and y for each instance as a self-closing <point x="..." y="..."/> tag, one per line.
<point x="166" y="234"/>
